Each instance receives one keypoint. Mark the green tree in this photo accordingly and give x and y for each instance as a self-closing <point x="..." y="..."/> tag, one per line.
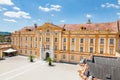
<point x="31" y="58"/>
<point x="49" y="60"/>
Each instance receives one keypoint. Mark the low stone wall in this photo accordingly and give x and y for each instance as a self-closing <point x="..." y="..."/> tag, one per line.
<point x="84" y="74"/>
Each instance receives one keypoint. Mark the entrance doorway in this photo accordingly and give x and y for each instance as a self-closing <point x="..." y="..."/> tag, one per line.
<point x="47" y="55"/>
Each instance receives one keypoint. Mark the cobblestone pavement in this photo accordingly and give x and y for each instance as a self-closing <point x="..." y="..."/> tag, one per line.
<point x="19" y="68"/>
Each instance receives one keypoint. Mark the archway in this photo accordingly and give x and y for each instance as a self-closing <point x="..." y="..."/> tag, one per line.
<point x="47" y="55"/>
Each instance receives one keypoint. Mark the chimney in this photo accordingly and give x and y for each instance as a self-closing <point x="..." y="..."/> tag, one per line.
<point x="64" y="27"/>
<point x="117" y="23"/>
<point x="89" y="21"/>
<point x="35" y="25"/>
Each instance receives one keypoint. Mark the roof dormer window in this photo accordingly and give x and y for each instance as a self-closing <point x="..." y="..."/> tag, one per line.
<point x="48" y="30"/>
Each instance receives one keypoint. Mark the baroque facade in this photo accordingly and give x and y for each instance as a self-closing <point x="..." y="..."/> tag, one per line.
<point x="68" y="42"/>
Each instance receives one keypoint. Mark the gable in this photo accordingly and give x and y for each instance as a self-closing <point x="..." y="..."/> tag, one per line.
<point x="49" y="26"/>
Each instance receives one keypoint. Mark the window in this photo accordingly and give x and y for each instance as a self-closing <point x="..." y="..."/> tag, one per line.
<point x="111" y="41"/>
<point x="64" y="39"/>
<point x="91" y="41"/>
<point x="40" y="39"/>
<point x="63" y="56"/>
<point x="81" y="58"/>
<point x="25" y="51"/>
<point x="35" y="52"/>
<point x="48" y="30"/>
<point x="55" y="56"/>
<point x="101" y="50"/>
<point x="72" y="57"/>
<point x="36" y="39"/>
<point x="20" y="51"/>
<point x="111" y="51"/>
<point x="73" y="40"/>
<point x="48" y="47"/>
<point x="91" y="49"/>
<point x="26" y="38"/>
<point x="30" y="52"/>
<point x="21" y="38"/>
<point x="81" y="49"/>
<point x="40" y="33"/>
<point x="30" y="45"/>
<point x="72" y="48"/>
<point x="55" y="47"/>
<point x="56" y="33"/>
<point x="64" y="48"/>
<point x="55" y="39"/>
<point x="47" y="39"/>
<point x="35" y="45"/>
<point x="31" y="38"/>
<point x="16" y="38"/>
<point x="102" y="41"/>
<point x="26" y="45"/>
<point x="81" y="40"/>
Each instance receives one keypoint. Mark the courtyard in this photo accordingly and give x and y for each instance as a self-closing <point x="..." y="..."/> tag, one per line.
<point x="19" y="68"/>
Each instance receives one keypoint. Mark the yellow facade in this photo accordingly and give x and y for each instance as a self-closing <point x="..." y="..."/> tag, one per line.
<point x="4" y="47"/>
<point x="65" y="45"/>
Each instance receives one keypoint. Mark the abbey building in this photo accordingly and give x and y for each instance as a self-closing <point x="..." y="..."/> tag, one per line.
<point x="68" y="42"/>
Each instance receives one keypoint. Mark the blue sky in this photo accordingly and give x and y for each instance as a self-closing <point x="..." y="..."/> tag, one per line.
<point x="16" y="14"/>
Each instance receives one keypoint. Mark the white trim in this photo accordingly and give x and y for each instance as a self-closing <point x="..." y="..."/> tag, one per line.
<point x="79" y="45"/>
<point x="70" y="43"/>
<point x="108" y="46"/>
<point x="104" y="45"/>
<point x="74" y="44"/>
<point x="41" y="48"/>
<point x="94" y="45"/>
<point x="114" y="51"/>
<point x="52" y="50"/>
<point x="60" y="43"/>
<point x="84" y="44"/>
<point x="99" y="45"/>
<point x="66" y="44"/>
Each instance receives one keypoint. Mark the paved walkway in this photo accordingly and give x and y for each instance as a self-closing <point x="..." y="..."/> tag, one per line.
<point x="19" y="68"/>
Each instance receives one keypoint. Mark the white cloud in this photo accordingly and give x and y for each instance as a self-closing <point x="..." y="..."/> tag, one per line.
<point x="52" y="15"/>
<point x="39" y="20"/>
<point x="50" y="8"/>
<point x="118" y="1"/>
<point x="109" y="5"/>
<point x="118" y="14"/>
<point x="19" y="14"/>
<point x="6" y="2"/>
<point x="45" y="9"/>
<point x="62" y="20"/>
<point x="56" y="7"/>
<point x="16" y="8"/>
<point x="9" y="20"/>
<point x="88" y="15"/>
<point x="2" y="9"/>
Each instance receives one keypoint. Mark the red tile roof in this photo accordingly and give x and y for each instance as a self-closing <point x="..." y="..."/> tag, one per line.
<point x="112" y="26"/>
<point x="28" y="28"/>
<point x="98" y="26"/>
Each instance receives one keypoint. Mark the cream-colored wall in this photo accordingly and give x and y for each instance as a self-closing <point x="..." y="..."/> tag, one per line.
<point x="0" y="53"/>
<point x="77" y="35"/>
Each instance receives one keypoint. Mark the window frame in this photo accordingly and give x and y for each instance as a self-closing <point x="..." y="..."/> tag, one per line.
<point x="91" y="51"/>
<point x="102" y="41"/>
<point x="91" y="41"/>
<point x="81" y="49"/>
<point x="81" y="40"/>
<point x="111" y="41"/>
